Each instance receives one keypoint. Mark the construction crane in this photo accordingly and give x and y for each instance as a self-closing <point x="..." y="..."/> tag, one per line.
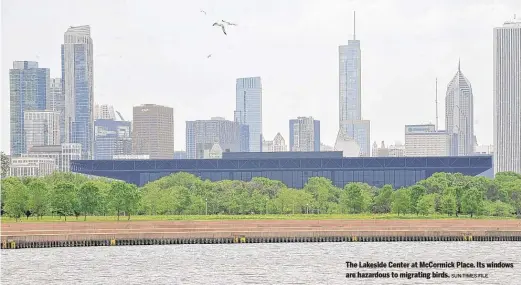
<point x="119" y="114"/>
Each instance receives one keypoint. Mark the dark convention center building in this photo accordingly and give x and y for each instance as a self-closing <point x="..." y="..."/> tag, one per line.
<point x="292" y="168"/>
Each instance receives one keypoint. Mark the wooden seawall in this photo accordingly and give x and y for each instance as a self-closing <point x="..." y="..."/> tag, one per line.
<point x="65" y="234"/>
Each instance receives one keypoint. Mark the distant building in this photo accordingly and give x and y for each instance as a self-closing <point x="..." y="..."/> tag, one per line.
<point x="248" y="109"/>
<point x="56" y="103"/>
<point x="41" y="128"/>
<point x="31" y="166"/>
<point x="459" y="115"/>
<point x="397" y="150"/>
<point x="61" y="154"/>
<point x="111" y="138"/>
<point x="304" y="134"/>
<point x="77" y="81"/>
<point x="179" y="154"/>
<point x="202" y="135"/>
<point x="484" y="150"/>
<point x="347" y="145"/>
<point x="507" y="97"/>
<point x="215" y="152"/>
<point x="350" y="95"/>
<point x="104" y="112"/>
<point x="360" y="131"/>
<point x="425" y="140"/>
<point x="130" y="157"/>
<point x="324" y="147"/>
<point x="153" y="131"/>
<point x="278" y="144"/>
<point x="29" y="89"/>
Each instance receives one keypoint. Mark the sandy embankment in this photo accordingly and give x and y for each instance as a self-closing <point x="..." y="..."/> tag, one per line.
<point x="51" y="231"/>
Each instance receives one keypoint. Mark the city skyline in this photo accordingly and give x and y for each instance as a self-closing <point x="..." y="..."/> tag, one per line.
<point x="281" y="100"/>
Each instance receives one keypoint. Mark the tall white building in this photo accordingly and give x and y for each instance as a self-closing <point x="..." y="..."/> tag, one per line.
<point x="41" y="128"/>
<point x="56" y="103"/>
<point x="248" y="109"/>
<point x="77" y="76"/>
<point x="104" y="112"/>
<point x="304" y="134"/>
<point x="350" y="94"/>
<point x="425" y="140"/>
<point x="507" y="97"/>
<point x="459" y="115"/>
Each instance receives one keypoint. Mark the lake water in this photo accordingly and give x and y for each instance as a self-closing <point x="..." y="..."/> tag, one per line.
<point x="282" y="263"/>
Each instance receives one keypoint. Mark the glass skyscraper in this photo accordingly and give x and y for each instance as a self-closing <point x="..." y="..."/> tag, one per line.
<point x="248" y="109"/>
<point x="29" y="88"/>
<point x="304" y="134"/>
<point x="350" y="94"/>
<point x="77" y="84"/>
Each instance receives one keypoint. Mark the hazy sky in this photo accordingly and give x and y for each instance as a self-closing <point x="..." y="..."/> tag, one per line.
<point x="155" y="52"/>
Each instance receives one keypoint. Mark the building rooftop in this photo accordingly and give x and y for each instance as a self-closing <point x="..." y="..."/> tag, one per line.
<point x="281" y="155"/>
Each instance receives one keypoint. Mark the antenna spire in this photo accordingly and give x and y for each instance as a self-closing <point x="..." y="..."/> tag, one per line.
<point x="436" y="103"/>
<point x="459" y="64"/>
<point x="354" y="25"/>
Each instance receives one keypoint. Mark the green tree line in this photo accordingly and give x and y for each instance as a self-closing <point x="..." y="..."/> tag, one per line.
<point x="68" y="194"/>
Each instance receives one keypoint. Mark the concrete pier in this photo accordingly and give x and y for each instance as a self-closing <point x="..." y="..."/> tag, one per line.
<point x="74" y="234"/>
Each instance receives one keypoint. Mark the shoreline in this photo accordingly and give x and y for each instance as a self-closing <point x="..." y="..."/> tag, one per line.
<point x="50" y="234"/>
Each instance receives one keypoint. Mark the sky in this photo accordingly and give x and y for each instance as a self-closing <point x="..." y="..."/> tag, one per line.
<point x="155" y="52"/>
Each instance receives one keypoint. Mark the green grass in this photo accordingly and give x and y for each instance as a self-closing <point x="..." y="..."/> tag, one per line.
<point x="247" y="217"/>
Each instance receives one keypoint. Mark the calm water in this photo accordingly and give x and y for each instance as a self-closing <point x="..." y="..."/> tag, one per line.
<point x="284" y="263"/>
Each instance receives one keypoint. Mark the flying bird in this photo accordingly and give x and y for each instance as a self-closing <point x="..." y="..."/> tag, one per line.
<point x="220" y="25"/>
<point x="210" y="55"/>
<point x="228" y="23"/>
<point x="202" y="11"/>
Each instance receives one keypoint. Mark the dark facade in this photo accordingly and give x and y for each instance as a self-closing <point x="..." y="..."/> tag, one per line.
<point x="294" y="172"/>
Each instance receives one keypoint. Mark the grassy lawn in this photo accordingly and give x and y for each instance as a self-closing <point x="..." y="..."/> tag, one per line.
<point x="248" y="217"/>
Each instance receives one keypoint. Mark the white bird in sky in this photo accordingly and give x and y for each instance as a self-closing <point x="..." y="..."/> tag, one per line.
<point x="220" y="25"/>
<point x="202" y="11"/>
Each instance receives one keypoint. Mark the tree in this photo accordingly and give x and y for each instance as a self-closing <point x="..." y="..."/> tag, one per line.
<point x="354" y="198"/>
<point x="88" y="197"/>
<point x="426" y="204"/>
<point x="448" y="202"/>
<point x="401" y="201"/>
<point x="38" y="198"/>
<point x="15" y="195"/>
<point x="5" y="164"/>
<point x="124" y="197"/>
<point x="63" y="198"/>
<point x="417" y="191"/>
<point x="382" y="202"/>
<point x="472" y="201"/>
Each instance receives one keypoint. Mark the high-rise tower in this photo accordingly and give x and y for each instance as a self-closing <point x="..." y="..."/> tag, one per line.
<point x="248" y="109"/>
<point x="507" y="97"/>
<point x="77" y="82"/>
<point x="459" y="115"/>
<point x="350" y="93"/>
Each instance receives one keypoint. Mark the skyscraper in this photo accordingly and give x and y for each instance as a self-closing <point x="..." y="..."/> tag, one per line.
<point x="56" y="103"/>
<point x="507" y="97"/>
<point x="459" y="115"/>
<point x="153" y="131"/>
<point x="111" y="138"/>
<point x="29" y="89"/>
<point x="304" y="134"/>
<point x="41" y="128"/>
<point x="202" y="135"/>
<point x="350" y="93"/>
<point x="77" y="82"/>
<point x="248" y="109"/>
<point x="104" y="112"/>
